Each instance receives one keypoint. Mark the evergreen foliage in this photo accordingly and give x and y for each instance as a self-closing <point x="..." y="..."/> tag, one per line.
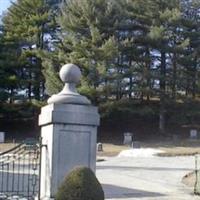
<point x="134" y="49"/>
<point x="24" y="27"/>
<point x="88" y="38"/>
<point x="80" y="184"/>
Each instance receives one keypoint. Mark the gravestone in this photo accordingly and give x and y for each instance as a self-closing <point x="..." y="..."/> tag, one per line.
<point x="193" y="134"/>
<point x="175" y="137"/>
<point x="136" y="145"/>
<point x="2" y="137"/>
<point x="99" y="147"/>
<point x="69" y="133"/>
<point x="128" y="138"/>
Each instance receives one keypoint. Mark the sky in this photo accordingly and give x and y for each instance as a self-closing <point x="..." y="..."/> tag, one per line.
<point x="4" y="4"/>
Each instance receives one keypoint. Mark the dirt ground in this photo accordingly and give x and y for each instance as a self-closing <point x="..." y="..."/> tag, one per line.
<point x="170" y="148"/>
<point x="6" y="146"/>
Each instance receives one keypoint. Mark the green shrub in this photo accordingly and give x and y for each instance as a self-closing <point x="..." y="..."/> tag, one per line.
<point x="80" y="184"/>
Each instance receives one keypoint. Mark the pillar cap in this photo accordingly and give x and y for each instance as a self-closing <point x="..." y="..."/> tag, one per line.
<point x="70" y="74"/>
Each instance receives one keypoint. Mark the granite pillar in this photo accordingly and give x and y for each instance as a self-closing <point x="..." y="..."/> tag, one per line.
<point x="69" y="132"/>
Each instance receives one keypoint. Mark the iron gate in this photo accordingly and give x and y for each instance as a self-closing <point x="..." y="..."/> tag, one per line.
<point x="20" y="170"/>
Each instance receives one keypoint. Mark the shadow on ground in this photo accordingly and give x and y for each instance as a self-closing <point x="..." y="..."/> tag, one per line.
<point x="113" y="191"/>
<point x="144" y="168"/>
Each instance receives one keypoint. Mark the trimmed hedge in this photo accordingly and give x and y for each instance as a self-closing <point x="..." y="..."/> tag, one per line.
<point x="80" y="184"/>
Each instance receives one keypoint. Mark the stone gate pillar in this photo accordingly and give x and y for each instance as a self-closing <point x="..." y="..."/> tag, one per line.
<point x="69" y="132"/>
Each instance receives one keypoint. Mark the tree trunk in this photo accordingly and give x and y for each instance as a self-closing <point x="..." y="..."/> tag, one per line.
<point x="130" y="86"/>
<point x="194" y="78"/>
<point x="29" y="86"/>
<point x="106" y="89"/>
<point x="36" y="91"/>
<point x="162" y="120"/>
<point x="148" y="68"/>
<point x="174" y="77"/>
<point x="29" y="91"/>
<point x="187" y="82"/>
<point x="11" y="95"/>
<point x="130" y="81"/>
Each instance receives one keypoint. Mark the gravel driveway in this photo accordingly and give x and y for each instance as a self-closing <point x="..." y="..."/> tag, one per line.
<point x="146" y="178"/>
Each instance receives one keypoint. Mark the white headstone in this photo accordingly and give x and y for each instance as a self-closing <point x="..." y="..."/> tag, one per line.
<point x="193" y="134"/>
<point x="128" y="138"/>
<point x="2" y="137"/>
<point x="99" y="146"/>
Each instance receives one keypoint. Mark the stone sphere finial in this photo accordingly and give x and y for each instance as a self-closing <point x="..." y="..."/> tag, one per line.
<point x="70" y="73"/>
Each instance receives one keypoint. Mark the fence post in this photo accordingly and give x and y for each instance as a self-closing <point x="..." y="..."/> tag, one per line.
<point x="68" y="128"/>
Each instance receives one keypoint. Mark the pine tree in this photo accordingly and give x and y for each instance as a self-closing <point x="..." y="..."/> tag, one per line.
<point x="138" y="50"/>
<point x="126" y="48"/>
<point x="88" y="39"/>
<point x="165" y="19"/>
<point x="26" y="23"/>
<point x="9" y="69"/>
<point x="190" y="60"/>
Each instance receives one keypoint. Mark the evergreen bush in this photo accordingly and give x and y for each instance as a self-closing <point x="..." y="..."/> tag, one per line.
<point x="80" y="184"/>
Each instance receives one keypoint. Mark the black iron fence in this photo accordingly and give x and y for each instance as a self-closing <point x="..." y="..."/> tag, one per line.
<point x="20" y="170"/>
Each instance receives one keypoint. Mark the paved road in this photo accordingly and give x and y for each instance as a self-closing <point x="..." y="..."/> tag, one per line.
<point x="153" y="178"/>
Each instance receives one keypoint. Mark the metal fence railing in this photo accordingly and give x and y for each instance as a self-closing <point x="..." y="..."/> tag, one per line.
<point x="19" y="171"/>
